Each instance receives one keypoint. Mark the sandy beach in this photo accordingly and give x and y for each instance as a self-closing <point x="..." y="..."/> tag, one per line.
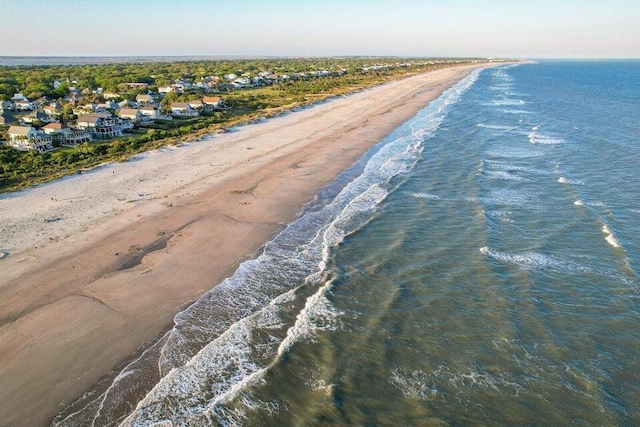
<point x="94" y="266"/>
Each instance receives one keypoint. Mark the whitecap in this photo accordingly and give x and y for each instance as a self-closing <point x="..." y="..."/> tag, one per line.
<point x="536" y="138"/>
<point x="495" y="127"/>
<point x="427" y="196"/>
<point x="518" y="112"/>
<point x="609" y="237"/>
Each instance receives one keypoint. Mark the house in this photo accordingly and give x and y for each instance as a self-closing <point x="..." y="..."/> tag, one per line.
<point x="125" y="103"/>
<point x="183" y="109"/>
<point x="27" y="138"/>
<point x="35" y="117"/>
<point x="24" y="105"/>
<point x="241" y="83"/>
<point x="84" y="109"/>
<point x="7" y="119"/>
<point x="75" y="137"/>
<point x="107" y="105"/>
<point x="110" y="95"/>
<point x="166" y="89"/>
<point x="132" y="114"/>
<point x="53" y="109"/>
<point x="213" y="103"/>
<point x="53" y="128"/>
<point x="74" y="96"/>
<point x="100" y="125"/>
<point x="145" y="99"/>
<point x="196" y="104"/>
<point x="149" y="113"/>
<point x="65" y="135"/>
<point x="18" y="97"/>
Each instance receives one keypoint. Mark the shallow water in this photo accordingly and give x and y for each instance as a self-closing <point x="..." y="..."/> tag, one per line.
<point x="478" y="267"/>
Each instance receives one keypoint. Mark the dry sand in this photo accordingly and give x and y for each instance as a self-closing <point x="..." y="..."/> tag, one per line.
<point x="99" y="263"/>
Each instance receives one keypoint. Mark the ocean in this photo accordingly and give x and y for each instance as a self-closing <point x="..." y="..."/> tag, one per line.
<point x="479" y="266"/>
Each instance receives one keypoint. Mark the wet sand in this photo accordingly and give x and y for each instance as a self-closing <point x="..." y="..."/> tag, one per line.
<point x="99" y="263"/>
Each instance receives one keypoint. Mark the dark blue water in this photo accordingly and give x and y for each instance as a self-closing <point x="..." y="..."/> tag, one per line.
<point x="478" y="267"/>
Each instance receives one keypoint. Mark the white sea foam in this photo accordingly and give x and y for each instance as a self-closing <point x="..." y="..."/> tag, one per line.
<point x="562" y="180"/>
<point x="537" y="138"/>
<point x="578" y="203"/>
<point x="444" y="381"/>
<point x="534" y="260"/>
<point x="496" y="127"/>
<point x="610" y="238"/>
<point x="508" y="101"/>
<point x="509" y="111"/>
<point x="427" y="196"/>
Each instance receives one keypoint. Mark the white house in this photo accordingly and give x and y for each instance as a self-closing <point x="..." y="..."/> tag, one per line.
<point x="165" y="89"/>
<point x="53" y="128"/>
<point x="24" y="105"/>
<point x="108" y="105"/>
<point x="125" y="103"/>
<point x="53" y="109"/>
<point x="27" y="138"/>
<point x="101" y="125"/>
<point x="65" y="135"/>
<point x="18" y="97"/>
<point x="196" y="104"/>
<point x="149" y="113"/>
<point x="212" y="103"/>
<point x="36" y="116"/>
<point x="183" y="109"/>
<point x="145" y="99"/>
<point x="132" y="114"/>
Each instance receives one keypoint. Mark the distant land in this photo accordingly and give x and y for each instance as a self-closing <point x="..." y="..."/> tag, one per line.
<point x="9" y="61"/>
<point x="82" y="60"/>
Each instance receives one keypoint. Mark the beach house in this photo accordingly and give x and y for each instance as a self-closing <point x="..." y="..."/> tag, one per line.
<point x="27" y="138"/>
<point x="183" y="109"/>
<point x="65" y="135"/>
<point x="212" y="103"/>
<point x="149" y="113"/>
<point x="100" y="125"/>
<point x="145" y="99"/>
<point x="132" y="114"/>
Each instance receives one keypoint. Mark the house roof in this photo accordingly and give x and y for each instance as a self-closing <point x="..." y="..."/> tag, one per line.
<point x="211" y="99"/>
<point x="37" y="114"/>
<point x="91" y="118"/>
<point x="148" y="108"/>
<point x="128" y="112"/>
<point x="143" y="97"/>
<point x="196" y="102"/>
<point x="179" y="104"/>
<point x="19" y="130"/>
<point x="6" y="119"/>
<point x="56" y="126"/>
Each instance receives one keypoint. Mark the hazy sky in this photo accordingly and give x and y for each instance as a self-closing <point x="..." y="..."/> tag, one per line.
<point x="505" y="28"/>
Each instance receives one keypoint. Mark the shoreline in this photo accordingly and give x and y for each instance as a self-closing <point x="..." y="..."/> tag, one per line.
<point x="129" y="245"/>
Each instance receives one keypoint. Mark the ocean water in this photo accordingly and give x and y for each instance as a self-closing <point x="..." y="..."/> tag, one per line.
<point x="479" y="266"/>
